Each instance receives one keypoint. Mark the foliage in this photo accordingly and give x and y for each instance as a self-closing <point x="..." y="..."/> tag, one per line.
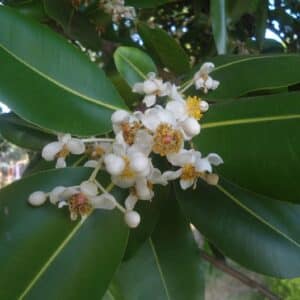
<point x="74" y="67"/>
<point x="287" y="289"/>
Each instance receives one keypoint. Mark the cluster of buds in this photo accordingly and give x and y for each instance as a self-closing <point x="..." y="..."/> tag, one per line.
<point x="117" y="9"/>
<point x="164" y="130"/>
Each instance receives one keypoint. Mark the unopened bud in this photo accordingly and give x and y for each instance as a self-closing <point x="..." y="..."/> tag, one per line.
<point x="37" y="198"/>
<point x="204" y="106"/>
<point x="212" y="179"/>
<point x="132" y="218"/>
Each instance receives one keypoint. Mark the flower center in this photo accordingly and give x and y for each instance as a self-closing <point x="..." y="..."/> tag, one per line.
<point x="167" y="140"/>
<point x="79" y="205"/>
<point x="64" y="152"/>
<point x="95" y="152"/>
<point x="127" y="172"/>
<point x="189" y="172"/>
<point x="129" y="131"/>
<point x="193" y="107"/>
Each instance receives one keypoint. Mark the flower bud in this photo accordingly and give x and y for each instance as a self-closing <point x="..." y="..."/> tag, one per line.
<point x="114" y="164"/>
<point x="119" y="116"/>
<point x="191" y="127"/>
<point x="132" y="218"/>
<point x="204" y="106"/>
<point x="139" y="163"/>
<point x="149" y="87"/>
<point x="37" y="198"/>
<point x="212" y="179"/>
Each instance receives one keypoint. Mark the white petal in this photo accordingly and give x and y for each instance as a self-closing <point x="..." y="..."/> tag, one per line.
<point x="142" y="189"/>
<point x="203" y="165"/>
<point x="206" y="68"/>
<point x="185" y="184"/>
<point x="91" y="164"/>
<point x="143" y="142"/>
<point x="60" y="163"/>
<point x="191" y="127"/>
<point x="114" y="164"/>
<point x="215" y="84"/>
<point x="172" y="175"/>
<point x="132" y="219"/>
<point x="183" y="157"/>
<point x="37" y="198"/>
<point x="215" y="159"/>
<point x="76" y="146"/>
<point x="150" y="87"/>
<point x="123" y="182"/>
<point x="119" y="116"/>
<point x="177" y="108"/>
<point x="64" y="138"/>
<point x="104" y="201"/>
<point x="56" y="193"/>
<point x="138" y="88"/>
<point x="156" y="177"/>
<point x="149" y="100"/>
<point x="49" y="151"/>
<point x="131" y="201"/>
<point x="138" y="162"/>
<point x="89" y="188"/>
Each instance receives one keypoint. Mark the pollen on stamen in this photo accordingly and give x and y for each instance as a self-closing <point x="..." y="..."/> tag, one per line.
<point x="167" y="140"/>
<point x="64" y="152"/>
<point x="193" y="107"/>
<point x="79" y="205"/>
<point x="129" y="131"/>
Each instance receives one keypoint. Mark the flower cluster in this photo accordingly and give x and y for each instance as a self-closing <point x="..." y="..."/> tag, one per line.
<point x="117" y="9"/>
<point x="164" y="128"/>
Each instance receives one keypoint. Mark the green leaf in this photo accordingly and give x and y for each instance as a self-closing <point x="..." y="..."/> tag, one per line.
<point x="146" y="3"/>
<point x="149" y="217"/>
<point x="75" y="24"/>
<point x="249" y="74"/>
<point x="47" y="81"/>
<point x="258" y="232"/>
<point x="167" y="266"/>
<point x="218" y="19"/>
<point x="133" y="64"/>
<point x="159" y="42"/>
<point x="256" y="137"/>
<point x="23" y="134"/>
<point x="45" y="255"/>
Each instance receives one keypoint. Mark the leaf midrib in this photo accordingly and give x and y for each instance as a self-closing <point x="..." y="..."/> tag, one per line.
<point x="60" y="85"/>
<point x="159" y="269"/>
<point x="256" y="216"/>
<point x="249" y="121"/>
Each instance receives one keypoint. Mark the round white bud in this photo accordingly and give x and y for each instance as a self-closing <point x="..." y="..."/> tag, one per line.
<point x="204" y="106"/>
<point x="149" y="87"/>
<point x="37" y="198"/>
<point x="139" y="163"/>
<point x="119" y="116"/>
<point x="191" y="127"/>
<point x="132" y="218"/>
<point x="114" y="164"/>
<point x="89" y="188"/>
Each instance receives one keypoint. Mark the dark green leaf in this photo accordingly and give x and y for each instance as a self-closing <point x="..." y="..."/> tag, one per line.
<point x="159" y="44"/>
<point x="22" y="133"/>
<point x="47" y="81"/>
<point x="167" y="266"/>
<point x="76" y="25"/>
<point x="133" y="64"/>
<point x="257" y="232"/>
<point x="257" y="138"/>
<point x="218" y="19"/>
<point x="44" y="255"/>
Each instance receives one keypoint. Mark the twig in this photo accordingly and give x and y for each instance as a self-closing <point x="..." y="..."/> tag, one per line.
<point x="239" y="276"/>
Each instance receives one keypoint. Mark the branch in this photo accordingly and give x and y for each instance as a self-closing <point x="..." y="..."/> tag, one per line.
<point x="221" y="265"/>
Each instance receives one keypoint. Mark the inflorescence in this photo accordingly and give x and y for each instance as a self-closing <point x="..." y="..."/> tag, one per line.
<point x="164" y="130"/>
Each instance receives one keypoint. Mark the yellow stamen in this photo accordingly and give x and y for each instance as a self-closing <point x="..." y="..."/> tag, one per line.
<point x="127" y="172"/>
<point x="193" y="107"/>
<point x="129" y="131"/>
<point x="64" y="152"/>
<point x="167" y="140"/>
<point x="79" y="205"/>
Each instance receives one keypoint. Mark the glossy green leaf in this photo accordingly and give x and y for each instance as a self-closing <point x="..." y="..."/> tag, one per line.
<point x="133" y="64"/>
<point x="158" y="42"/>
<point x="45" y="255"/>
<point x="258" y="232"/>
<point x="249" y="74"/>
<point x="218" y="20"/>
<point x="22" y="133"/>
<point x="76" y="25"/>
<point x="146" y="3"/>
<point x="150" y="213"/>
<point x="257" y="139"/>
<point x="167" y="267"/>
<point x="47" y="81"/>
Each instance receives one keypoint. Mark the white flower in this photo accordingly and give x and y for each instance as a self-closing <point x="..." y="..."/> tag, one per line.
<point x="193" y="166"/>
<point x="151" y="87"/>
<point x="82" y="199"/>
<point x="126" y="124"/>
<point x="132" y="218"/>
<point x="62" y="148"/>
<point x="118" y="10"/>
<point x="203" y="80"/>
<point x="126" y="164"/>
<point x="37" y="198"/>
